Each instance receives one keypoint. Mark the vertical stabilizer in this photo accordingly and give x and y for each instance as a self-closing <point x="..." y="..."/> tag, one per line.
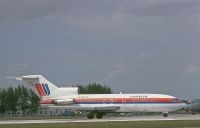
<point x="41" y="86"/>
<point x="45" y="89"/>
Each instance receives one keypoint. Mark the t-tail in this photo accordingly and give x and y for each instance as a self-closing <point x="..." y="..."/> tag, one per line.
<point x="45" y="89"/>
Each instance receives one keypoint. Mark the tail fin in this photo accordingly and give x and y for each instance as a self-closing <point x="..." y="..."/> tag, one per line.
<point x="45" y="89"/>
<point x="42" y="87"/>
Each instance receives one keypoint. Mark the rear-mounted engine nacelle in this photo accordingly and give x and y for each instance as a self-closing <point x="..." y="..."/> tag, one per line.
<point x="57" y="102"/>
<point x="64" y="102"/>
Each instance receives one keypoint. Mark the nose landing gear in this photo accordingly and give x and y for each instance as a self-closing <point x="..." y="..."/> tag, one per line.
<point x="165" y="114"/>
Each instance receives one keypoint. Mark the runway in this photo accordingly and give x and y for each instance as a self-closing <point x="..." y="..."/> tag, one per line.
<point x="108" y="119"/>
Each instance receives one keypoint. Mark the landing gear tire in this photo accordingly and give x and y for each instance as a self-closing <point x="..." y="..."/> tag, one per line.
<point x="165" y="114"/>
<point x="90" y="116"/>
<point x="99" y="115"/>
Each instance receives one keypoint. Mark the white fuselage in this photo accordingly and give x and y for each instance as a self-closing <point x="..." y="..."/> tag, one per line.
<point x="127" y="102"/>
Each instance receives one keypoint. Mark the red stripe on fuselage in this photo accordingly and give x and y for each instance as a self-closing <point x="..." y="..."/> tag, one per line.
<point x="48" y="101"/>
<point x="124" y="100"/>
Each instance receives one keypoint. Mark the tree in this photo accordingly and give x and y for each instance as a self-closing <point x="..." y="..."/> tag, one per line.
<point x="2" y="101"/>
<point x="23" y="98"/>
<point x="28" y="101"/>
<point x="11" y="100"/>
<point x="94" y="88"/>
<point x="34" y="104"/>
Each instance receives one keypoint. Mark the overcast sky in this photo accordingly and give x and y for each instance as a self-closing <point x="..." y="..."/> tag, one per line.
<point x="133" y="46"/>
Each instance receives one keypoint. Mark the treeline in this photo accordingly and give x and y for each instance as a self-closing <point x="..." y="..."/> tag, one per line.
<point x="94" y="88"/>
<point x="18" y="99"/>
<point x="24" y="99"/>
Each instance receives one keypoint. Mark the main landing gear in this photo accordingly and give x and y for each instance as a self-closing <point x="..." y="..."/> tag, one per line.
<point x="165" y="114"/>
<point x="90" y="116"/>
<point x="99" y="115"/>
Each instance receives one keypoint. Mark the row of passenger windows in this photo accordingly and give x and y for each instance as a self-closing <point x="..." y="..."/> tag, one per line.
<point x="119" y="100"/>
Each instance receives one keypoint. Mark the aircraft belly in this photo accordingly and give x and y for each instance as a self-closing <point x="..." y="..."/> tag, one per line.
<point x="125" y="107"/>
<point x="149" y="107"/>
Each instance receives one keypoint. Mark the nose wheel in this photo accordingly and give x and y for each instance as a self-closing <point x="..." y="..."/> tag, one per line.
<point x="165" y="114"/>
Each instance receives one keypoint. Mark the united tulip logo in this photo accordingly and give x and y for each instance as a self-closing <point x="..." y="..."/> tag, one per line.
<point x="43" y="89"/>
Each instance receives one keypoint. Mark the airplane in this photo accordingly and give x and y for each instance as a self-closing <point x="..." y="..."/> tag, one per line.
<point x="98" y="104"/>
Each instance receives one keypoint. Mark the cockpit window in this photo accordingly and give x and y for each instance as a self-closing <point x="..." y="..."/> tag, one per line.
<point x="175" y="100"/>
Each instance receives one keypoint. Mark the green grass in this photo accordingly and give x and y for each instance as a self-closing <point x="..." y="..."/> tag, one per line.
<point x="134" y="124"/>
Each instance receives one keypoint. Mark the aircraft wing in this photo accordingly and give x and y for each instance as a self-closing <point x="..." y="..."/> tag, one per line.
<point x="99" y="108"/>
<point x="83" y="108"/>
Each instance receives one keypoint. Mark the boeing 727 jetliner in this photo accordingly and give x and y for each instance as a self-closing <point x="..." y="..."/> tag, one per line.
<point x="99" y="104"/>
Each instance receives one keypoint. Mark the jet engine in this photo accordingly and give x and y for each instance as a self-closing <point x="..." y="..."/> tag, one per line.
<point x="57" y="102"/>
<point x="64" y="101"/>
